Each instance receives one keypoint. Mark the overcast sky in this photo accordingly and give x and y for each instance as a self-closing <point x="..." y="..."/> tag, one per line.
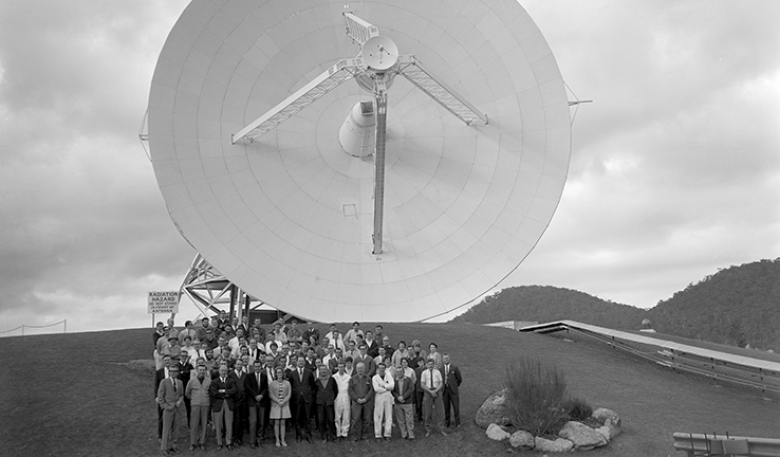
<point x="675" y="167"/>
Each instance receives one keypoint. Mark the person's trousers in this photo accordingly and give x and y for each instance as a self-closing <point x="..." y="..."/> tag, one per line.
<point x="432" y="411"/>
<point x="256" y="415"/>
<point x="451" y="401"/>
<point x="361" y="419"/>
<point x="170" y="431"/>
<point x="239" y="421"/>
<point x="342" y="410"/>
<point x="404" y="418"/>
<point x="188" y="407"/>
<point x="199" y="417"/>
<point x="226" y="415"/>
<point x="159" y="421"/>
<point x="383" y="414"/>
<point x="302" y="419"/>
<point x="326" y="414"/>
<point x="418" y="403"/>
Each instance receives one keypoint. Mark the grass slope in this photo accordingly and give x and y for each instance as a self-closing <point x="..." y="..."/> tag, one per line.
<point x="75" y="395"/>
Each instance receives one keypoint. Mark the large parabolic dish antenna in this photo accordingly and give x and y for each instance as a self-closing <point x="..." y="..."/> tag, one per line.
<point x="266" y="148"/>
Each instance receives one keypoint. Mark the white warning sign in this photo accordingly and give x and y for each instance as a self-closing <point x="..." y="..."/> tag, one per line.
<point x="164" y="302"/>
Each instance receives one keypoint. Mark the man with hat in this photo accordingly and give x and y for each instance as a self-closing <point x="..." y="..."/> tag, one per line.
<point x="173" y="349"/>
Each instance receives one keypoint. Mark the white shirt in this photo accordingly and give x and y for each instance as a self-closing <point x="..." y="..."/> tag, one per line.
<point x="382" y="385"/>
<point x="342" y="382"/>
<point x="425" y="378"/>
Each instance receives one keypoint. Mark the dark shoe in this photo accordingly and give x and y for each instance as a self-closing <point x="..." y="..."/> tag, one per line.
<point x="164" y="452"/>
<point x="202" y="447"/>
<point x="229" y="447"/>
<point x="411" y="438"/>
<point x="219" y="447"/>
<point x="387" y="438"/>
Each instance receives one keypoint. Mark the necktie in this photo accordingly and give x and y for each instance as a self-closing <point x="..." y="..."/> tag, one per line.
<point x="173" y="381"/>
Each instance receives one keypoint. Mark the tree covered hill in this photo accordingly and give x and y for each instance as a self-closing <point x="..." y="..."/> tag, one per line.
<point x="738" y="306"/>
<point x="546" y="303"/>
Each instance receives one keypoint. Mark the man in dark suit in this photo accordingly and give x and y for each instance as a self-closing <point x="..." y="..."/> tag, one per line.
<point x="221" y="392"/>
<point x="312" y="334"/>
<point x="452" y="380"/>
<point x="159" y="375"/>
<point x="239" y="401"/>
<point x="257" y="402"/>
<point x="302" y="383"/>
<point x="325" y="398"/>
<point x="403" y="394"/>
<point x="185" y="369"/>
<point x="169" y="397"/>
<point x="361" y="395"/>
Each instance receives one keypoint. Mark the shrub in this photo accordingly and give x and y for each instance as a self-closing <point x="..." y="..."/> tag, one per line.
<point x="535" y="397"/>
<point x="577" y="409"/>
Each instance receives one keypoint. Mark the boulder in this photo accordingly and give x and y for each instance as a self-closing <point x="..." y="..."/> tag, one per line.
<point x="614" y="430"/>
<point x="495" y="432"/>
<point x="559" y="445"/>
<point x="522" y="439"/>
<point x="583" y="437"/>
<point x="602" y="414"/>
<point x="493" y="410"/>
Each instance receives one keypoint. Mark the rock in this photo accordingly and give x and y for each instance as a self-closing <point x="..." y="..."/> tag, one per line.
<point x="559" y="445"/>
<point x="493" y="410"/>
<point x="614" y="430"/>
<point x="495" y="432"/>
<point x="522" y="439"/>
<point x="602" y="414"/>
<point x="583" y="437"/>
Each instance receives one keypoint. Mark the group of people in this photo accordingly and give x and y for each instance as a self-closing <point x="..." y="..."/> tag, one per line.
<point x="240" y="380"/>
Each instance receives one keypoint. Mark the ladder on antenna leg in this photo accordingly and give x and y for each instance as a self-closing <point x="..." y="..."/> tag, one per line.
<point x="343" y="70"/>
<point x="413" y="70"/>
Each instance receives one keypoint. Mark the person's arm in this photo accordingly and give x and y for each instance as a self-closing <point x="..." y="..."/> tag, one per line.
<point x="458" y="378"/>
<point x="287" y="393"/>
<point x="188" y="389"/>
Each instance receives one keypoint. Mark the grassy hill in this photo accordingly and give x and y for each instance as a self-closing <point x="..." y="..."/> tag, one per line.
<point x="80" y="395"/>
<point x="737" y="306"/>
<point x="546" y="303"/>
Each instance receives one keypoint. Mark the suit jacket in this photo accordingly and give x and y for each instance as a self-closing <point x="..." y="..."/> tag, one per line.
<point x="302" y="388"/>
<point x="219" y="398"/>
<point x="326" y="395"/>
<point x="168" y="394"/>
<point x="240" y="396"/>
<point x="453" y="380"/>
<point x="159" y="375"/>
<point x="253" y="389"/>
<point x="407" y="392"/>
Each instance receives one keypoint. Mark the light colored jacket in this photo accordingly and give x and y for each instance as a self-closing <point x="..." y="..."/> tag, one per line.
<point x="197" y="391"/>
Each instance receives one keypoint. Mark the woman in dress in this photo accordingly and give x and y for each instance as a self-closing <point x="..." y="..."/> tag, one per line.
<point x="280" y="392"/>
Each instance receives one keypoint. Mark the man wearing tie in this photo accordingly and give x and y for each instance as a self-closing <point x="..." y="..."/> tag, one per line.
<point x="257" y="401"/>
<point x="239" y="411"/>
<point x="160" y="375"/>
<point x="431" y="383"/>
<point x="302" y="383"/>
<point x="452" y="380"/>
<point x="169" y="397"/>
<point x="221" y="391"/>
